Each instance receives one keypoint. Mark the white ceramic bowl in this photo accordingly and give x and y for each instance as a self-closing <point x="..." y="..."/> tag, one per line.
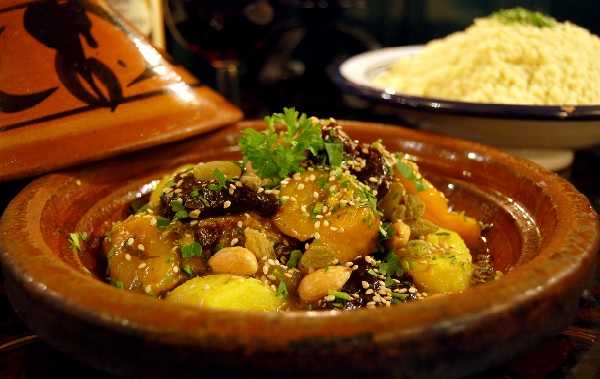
<point x="546" y="134"/>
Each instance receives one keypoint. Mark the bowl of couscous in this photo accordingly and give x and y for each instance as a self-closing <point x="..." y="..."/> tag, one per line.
<point x="516" y="79"/>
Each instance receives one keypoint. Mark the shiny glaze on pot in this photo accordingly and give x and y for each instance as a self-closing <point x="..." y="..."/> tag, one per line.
<point x="79" y="84"/>
<point x="545" y="237"/>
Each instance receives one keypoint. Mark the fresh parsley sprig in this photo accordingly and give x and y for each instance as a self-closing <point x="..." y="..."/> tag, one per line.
<point x="276" y="153"/>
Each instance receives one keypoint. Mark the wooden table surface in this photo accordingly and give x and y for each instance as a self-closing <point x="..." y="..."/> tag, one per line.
<point x="574" y="353"/>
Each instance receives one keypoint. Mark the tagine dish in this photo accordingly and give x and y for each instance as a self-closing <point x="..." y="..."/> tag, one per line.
<point x="309" y="219"/>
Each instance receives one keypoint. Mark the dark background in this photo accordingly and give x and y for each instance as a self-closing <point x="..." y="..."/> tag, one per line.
<point x="286" y="47"/>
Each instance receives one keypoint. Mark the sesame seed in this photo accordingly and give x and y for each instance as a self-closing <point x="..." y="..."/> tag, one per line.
<point x="240" y="224"/>
<point x="316" y="195"/>
<point x="176" y="269"/>
<point x="193" y="222"/>
<point x="297" y="176"/>
<point x="226" y="204"/>
<point x="317" y="235"/>
<point x="234" y="241"/>
<point x="355" y="267"/>
<point x="167" y="190"/>
<point x="259" y="190"/>
<point x="319" y="216"/>
<point x="412" y="290"/>
<point x="141" y="247"/>
<point x="311" y="169"/>
<point x="148" y="288"/>
<point x="329" y="298"/>
<point x="271" y="277"/>
<point x="306" y="245"/>
<point x="78" y="182"/>
<point x="265" y="269"/>
<point x="301" y="186"/>
<point x="312" y="177"/>
<point x="334" y="228"/>
<point x="142" y="265"/>
<point x="130" y="241"/>
<point x="231" y="191"/>
<point x="364" y="284"/>
<point x="246" y="215"/>
<point x="317" y="224"/>
<point x="373" y="179"/>
<point x="153" y="221"/>
<point x="371" y="304"/>
<point x="402" y="290"/>
<point x="326" y="223"/>
<point x="178" y="190"/>
<point x="285" y="197"/>
<point x="127" y="257"/>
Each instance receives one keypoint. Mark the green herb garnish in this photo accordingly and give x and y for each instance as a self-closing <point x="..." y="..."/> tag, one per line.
<point x="339" y="295"/>
<point x="75" y="240"/>
<point x="194" y="194"/>
<point x="295" y="256"/>
<point x="282" y="290"/>
<point x="335" y="153"/>
<point x="524" y="16"/>
<point x="117" y="283"/>
<point x="409" y="174"/>
<point x="179" y="209"/>
<point x="386" y="230"/>
<point x="221" y="181"/>
<point x="188" y="270"/>
<point x="276" y="154"/>
<point x="391" y="265"/>
<point x="162" y="222"/>
<point x="190" y="250"/>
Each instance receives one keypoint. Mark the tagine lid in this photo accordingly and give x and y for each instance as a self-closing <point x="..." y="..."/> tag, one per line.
<point x="78" y="84"/>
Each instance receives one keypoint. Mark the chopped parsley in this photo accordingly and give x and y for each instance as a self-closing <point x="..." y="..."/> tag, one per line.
<point x="179" y="209"/>
<point x="190" y="250"/>
<point x="295" y="256"/>
<point x="391" y="265"/>
<point x="409" y="174"/>
<point x="386" y="230"/>
<point x="188" y="270"/>
<point x="75" y="240"/>
<point x="341" y="296"/>
<point x="335" y="153"/>
<point x="221" y="181"/>
<point x="276" y="154"/>
<point x="194" y="194"/>
<point x="524" y="17"/>
<point x="117" y="283"/>
<point x="282" y="290"/>
<point x="162" y="222"/>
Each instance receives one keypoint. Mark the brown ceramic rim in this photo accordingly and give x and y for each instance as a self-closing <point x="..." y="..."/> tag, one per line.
<point x="562" y="266"/>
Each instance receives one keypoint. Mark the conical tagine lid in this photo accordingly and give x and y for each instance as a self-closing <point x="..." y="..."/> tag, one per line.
<point x="78" y="84"/>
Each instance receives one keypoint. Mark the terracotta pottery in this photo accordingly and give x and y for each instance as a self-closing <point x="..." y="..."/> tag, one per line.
<point x="78" y="84"/>
<point x="545" y="238"/>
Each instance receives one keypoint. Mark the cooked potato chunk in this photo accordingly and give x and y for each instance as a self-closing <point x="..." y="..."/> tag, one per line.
<point x="140" y="258"/>
<point x="226" y="292"/>
<point x="332" y="209"/>
<point x="439" y="264"/>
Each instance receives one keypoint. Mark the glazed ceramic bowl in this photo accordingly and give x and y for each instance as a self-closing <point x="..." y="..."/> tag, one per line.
<point x="544" y="238"/>
<point x="552" y="131"/>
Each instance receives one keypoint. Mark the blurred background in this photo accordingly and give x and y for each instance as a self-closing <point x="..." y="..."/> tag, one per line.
<point x="266" y="54"/>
